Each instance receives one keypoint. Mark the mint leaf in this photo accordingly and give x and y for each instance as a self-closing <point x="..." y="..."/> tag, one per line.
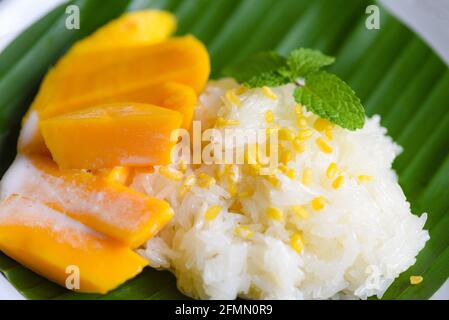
<point x="270" y="79"/>
<point x="259" y="70"/>
<point x="302" y="62"/>
<point x="331" y="98"/>
<point x="271" y="69"/>
<point x="323" y="93"/>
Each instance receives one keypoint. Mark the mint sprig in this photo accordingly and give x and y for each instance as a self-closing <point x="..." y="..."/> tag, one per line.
<point x="322" y="93"/>
<point x="262" y="69"/>
<point x="302" y="62"/>
<point x="331" y="98"/>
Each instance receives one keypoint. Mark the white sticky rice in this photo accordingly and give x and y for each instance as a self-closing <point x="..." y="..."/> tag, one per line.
<point x="354" y="247"/>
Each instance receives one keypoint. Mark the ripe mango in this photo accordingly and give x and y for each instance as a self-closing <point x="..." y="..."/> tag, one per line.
<point x="182" y="59"/>
<point x="171" y="95"/>
<point x="106" y="46"/>
<point x="130" y="30"/>
<point x="135" y="76"/>
<point x="123" y="134"/>
<point x="115" y="210"/>
<point x="53" y="245"/>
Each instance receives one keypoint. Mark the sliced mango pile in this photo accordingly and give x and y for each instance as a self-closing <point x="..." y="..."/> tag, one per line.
<point x="110" y="208"/>
<point x="49" y="243"/>
<point x="168" y="73"/>
<point x="122" y="134"/>
<point x="183" y="60"/>
<point x="130" y="30"/>
<point x="107" y="109"/>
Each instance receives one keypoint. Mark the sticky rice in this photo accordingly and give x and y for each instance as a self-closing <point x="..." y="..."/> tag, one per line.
<point x="330" y="222"/>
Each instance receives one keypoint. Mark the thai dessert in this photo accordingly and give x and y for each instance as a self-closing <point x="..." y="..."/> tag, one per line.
<point x="269" y="183"/>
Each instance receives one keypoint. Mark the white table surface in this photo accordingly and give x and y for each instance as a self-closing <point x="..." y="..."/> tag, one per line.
<point x="430" y="18"/>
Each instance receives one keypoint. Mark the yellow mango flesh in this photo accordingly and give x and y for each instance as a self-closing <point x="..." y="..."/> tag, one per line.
<point x="51" y="244"/>
<point x="183" y="60"/>
<point x="134" y="41"/>
<point x="121" y="175"/>
<point x="131" y="29"/>
<point x="115" y="210"/>
<point x="138" y="76"/>
<point x="105" y="47"/>
<point x="171" y="95"/>
<point x="125" y="134"/>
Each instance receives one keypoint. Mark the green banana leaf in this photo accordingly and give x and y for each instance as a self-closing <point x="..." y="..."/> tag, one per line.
<point x="394" y="72"/>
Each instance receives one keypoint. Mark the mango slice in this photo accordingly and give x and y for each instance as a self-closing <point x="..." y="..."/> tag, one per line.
<point x="136" y="77"/>
<point x="131" y="29"/>
<point x="183" y="59"/>
<point x="171" y="95"/>
<point x="119" y="212"/>
<point x="106" y="46"/>
<point x="53" y="245"/>
<point x="124" y="134"/>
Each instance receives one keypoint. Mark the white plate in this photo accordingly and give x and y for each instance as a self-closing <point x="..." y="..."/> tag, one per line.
<point x="430" y="18"/>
